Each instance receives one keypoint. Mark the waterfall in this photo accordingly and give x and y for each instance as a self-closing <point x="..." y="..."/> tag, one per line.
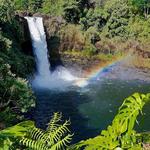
<point x="44" y="78"/>
<point x="39" y="45"/>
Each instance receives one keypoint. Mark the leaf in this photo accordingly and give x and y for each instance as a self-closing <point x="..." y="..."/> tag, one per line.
<point x="36" y="145"/>
<point x="55" y="137"/>
<point x="120" y="133"/>
<point x="18" y="130"/>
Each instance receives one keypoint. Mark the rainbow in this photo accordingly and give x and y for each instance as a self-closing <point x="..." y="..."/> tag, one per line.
<point x="97" y="71"/>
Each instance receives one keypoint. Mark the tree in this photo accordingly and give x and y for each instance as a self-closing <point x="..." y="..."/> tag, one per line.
<point x="140" y="6"/>
<point x="28" y="5"/>
<point x="6" y="11"/>
<point x="118" y="15"/>
<point x="21" y="5"/>
<point x="53" y="7"/>
<point x="75" y="10"/>
<point x="35" y="5"/>
<point x="72" y="13"/>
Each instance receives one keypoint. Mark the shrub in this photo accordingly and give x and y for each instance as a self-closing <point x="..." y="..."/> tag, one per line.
<point x="72" y="38"/>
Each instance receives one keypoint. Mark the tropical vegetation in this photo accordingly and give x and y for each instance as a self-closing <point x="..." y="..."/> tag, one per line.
<point x="92" y="29"/>
<point x="56" y="136"/>
<point x="120" y="134"/>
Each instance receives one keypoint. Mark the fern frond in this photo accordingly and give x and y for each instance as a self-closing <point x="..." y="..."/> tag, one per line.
<point x="37" y="134"/>
<point x="60" y="132"/>
<point x="35" y="145"/>
<point x="53" y="124"/>
<point x="62" y="143"/>
<point x="56" y="136"/>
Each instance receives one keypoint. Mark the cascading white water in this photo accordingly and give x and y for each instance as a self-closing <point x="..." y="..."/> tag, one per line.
<point x="39" y="45"/>
<point x="44" y="78"/>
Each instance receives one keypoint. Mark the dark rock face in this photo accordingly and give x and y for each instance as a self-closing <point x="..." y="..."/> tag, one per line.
<point x="52" y="26"/>
<point x="25" y="40"/>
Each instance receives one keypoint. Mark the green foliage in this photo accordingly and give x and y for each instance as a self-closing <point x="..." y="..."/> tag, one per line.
<point x="108" y="19"/>
<point x="9" y="135"/>
<point x="72" y="12"/>
<point x="56" y="136"/>
<point x="14" y="91"/>
<point x="28" y="5"/>
<point x="140" y="6"/>
<point x="139" y="29"/>
<point x="5" y="44"/>
<point x="75" y="9"/>
<point x="6" y="10"/>
<point x="118" y="20"/>
<point x="53" y="7"/>
<point x="14" y="95"/>
<point x="10" y="52"/>
<point x="12" y="88"/>
<point x="96" y="18"/>
<point x="35" y="5"/>
<point x="71" y="38"/>
<point x="21" y="4"/>
<point x="120" y="133"/>
<point x="92" y="35"/>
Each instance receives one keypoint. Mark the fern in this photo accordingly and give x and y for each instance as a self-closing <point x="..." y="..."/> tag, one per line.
<point x="61" y="144"/>
<point x="55" y="137"/>
<point x="54" y="130"/>
<point x="120" y="133"/>
<point x="59" y="132"/>
<point x="53" y="124"/>
<point x="30" y="143"/>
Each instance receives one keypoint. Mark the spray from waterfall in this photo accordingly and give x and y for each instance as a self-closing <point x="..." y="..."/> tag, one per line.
<point x="44" y="77"/>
